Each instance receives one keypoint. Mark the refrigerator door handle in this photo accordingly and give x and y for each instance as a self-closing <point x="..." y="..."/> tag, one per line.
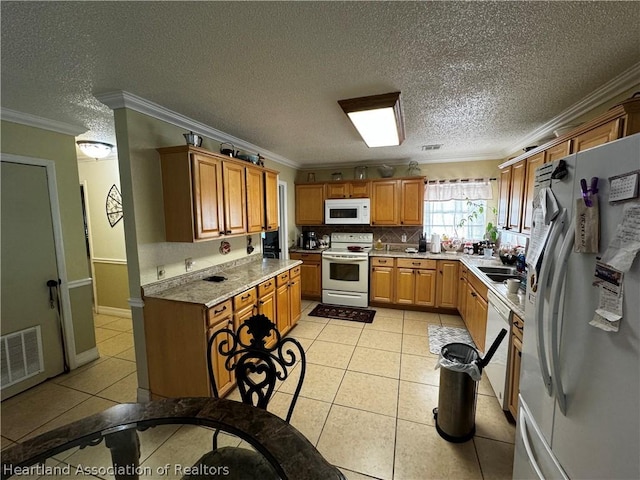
<point x="556" y="287"/>
<point x="522" y="423"/>
<point x="556" y="229"/>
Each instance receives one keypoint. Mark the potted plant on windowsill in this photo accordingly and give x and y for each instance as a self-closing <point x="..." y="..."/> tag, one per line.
<point x="476" y="209"/>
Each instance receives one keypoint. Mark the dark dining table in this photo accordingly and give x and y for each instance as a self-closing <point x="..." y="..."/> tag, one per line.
<point x="283" y="448"/>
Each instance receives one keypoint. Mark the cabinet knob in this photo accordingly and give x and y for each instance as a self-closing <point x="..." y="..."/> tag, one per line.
<point x="474" y="294"/>
<point x="440" y="272"/>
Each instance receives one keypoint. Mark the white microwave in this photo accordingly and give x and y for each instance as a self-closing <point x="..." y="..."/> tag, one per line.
<point x="350" y="211"/>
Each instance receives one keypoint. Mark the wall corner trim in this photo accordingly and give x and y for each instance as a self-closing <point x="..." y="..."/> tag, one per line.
<point x="122" y="99"/>
<point x="136" y="302"/>
<point x="82" y="282"/>
<point x="29" y="120"/>
<point x="87" y="356"/>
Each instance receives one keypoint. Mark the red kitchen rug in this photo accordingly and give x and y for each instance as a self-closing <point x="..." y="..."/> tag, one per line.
<point x="343" y="313"/>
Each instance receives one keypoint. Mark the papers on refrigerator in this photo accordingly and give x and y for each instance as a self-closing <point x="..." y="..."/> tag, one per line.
<point x="626" y="242"/>
<point x="609" y="311"/>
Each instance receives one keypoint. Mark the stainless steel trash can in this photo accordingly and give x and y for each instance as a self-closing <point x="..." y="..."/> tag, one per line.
<point x="456" y="412"/>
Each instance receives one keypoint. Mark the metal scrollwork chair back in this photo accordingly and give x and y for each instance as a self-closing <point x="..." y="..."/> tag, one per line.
<point x="257" y="367"/>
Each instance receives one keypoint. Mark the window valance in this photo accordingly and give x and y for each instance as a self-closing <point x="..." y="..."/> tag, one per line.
<point x="460" y="189"/>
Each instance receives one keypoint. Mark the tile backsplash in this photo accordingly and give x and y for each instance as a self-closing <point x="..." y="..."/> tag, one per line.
<point x="385" y="234"/>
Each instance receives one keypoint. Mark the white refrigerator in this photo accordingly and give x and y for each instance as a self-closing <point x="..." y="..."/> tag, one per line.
<point x="579" y="404"/>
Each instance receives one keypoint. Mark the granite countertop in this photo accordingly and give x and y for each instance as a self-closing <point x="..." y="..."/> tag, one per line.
<point x="192" y="289"/>
<point x="306" y="250"/>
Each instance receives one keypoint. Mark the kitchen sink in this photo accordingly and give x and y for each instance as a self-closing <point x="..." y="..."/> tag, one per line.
<point x="501" y="277"/>
<point x="499" y="270"/>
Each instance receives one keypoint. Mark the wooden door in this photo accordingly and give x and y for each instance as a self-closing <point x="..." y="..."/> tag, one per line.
<point x="425" y="292"/>
<point x="338" y="190"/>
<point x="462" y="304"/>
<point x="469" y="308"/>
<point x="224" y="378"/>
<point x="359" y="190"/>
<point x="311" y="279"/>
<point x="504" y="192"/>
<point x="481" y="311"/>
<point x="598" y="136"/>
<point x="271" y="200"/>
<point x="385" y="208"/>
<point x="310" y="204"/>
<point x="557" y="152"/>
<point x="533" y="162"/>
<point x="282" y="308"/>
<point x="267" y="305"/>
<point x="295" y="290"/>
<point x="405" y="285"/>
<point x="234" y="192"/>
<point x="411" y="201"/>
<point x="518" y="172"/>
<point x="447" y="284"/>
<point x="207" y="197"/>
<point x="381" y="284"/>
<point x="255" y="200"/>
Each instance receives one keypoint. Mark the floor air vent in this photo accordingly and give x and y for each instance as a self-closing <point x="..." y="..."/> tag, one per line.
<point x="21" y="355"/>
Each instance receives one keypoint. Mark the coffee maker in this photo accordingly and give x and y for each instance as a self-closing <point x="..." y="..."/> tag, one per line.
<point x="309" y="240"/>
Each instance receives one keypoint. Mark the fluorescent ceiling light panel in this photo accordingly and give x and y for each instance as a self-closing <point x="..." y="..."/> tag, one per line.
<point x="378" y="118"/>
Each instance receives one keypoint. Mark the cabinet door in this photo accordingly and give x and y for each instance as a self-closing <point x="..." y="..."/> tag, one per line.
<point x="557" y="152"/>
<point x="311" y="279"/>
<point x="425" y="292"/>
<point x="234" y="191"/>
<point x="515" y="358"/>
<point x="267" y="307"/>
<point x="310" y="204"/>
<point x="481" y="311"/>
<point x="518" y="171"/>
<point x="405" y="285"/>
<point x="224" y="378"/>
<point x="338" y="190"/>
<point x="282" y="308"/>
<point x="359" y="190"/>
<point x="411" y="201"/>
<point x="255" y="200"/>
<point x="447" y="284"/>
<point x="504" y="192"/>
<point x="207" y="197"/>
<point x="470" y="308"/>
<point x="381" y="284"/>
<point x="385" y="203"/>
<point x="598" y="136"/>
<point x="295" y="302"/>
<point x="271" y="200"/>
<point x="239" y="317"/>
<point x="532" y="163"/>
<point x="462" y="304"/>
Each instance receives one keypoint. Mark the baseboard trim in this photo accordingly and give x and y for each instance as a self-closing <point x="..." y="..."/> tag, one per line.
<point x="116" y="312"/>
<point x="87" y="356"/>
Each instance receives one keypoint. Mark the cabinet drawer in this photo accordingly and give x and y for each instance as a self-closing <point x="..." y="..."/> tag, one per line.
<point x="294" y="272"/>
<point x="267" y="286"/>
<point x="382" y="261"/>
<point x="306" y="257"/>
<point x="282" y="279"/>
<point x="416" y="263"/>
<point x="245" y="298"/>
<point x="218" y="312"/>
<point x="480" y="287"/>
<point x="517" y="327"/>
<point x="463" y="272"/>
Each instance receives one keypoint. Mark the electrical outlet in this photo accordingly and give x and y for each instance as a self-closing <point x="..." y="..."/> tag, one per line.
<point x="188" y="264"/>
<point x="161" y="271"/>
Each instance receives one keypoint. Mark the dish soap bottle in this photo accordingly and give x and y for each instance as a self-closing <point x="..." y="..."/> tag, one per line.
<point x="379" y="244"/>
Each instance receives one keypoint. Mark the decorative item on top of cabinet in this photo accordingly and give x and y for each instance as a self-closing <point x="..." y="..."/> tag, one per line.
<point x="310" y="204"/>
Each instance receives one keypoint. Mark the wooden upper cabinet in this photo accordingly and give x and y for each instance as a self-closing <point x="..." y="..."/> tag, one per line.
<point x="234" y="191"/>
<point x="271" y="200"/>
<point x="518" y="172"/>
<point x="504" y="194"/>
<point x="354" y="189"/>
<point x="532" y="163"/>
<point x="310" y="204"/>
<point x="598" y="136"/>
<point x="385" y="203"/>
<point x="411" y="201"/>
<point x="207" y="196"/>
<point x="255" y="200"/>
<point x="557" y="152"/>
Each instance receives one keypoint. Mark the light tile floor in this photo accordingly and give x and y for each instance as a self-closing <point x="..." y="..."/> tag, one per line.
<point x="366" y="402"/>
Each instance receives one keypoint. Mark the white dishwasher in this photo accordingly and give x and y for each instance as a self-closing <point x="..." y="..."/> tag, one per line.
<point x="499" y="317"/>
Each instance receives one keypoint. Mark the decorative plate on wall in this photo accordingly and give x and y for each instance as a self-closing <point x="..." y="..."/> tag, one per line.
<point x="114" y="206"/>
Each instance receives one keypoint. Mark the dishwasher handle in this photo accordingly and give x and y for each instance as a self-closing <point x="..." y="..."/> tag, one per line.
<point x="499" y="306"/>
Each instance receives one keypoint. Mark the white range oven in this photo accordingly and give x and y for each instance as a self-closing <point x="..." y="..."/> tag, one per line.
<point x="345" y="270"/>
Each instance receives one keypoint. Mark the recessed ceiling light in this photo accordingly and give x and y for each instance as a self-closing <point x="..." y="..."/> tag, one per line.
<point x="377" y="118"/>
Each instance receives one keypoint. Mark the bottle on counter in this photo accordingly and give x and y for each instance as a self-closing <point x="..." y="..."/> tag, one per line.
<point x="378" y="245"/>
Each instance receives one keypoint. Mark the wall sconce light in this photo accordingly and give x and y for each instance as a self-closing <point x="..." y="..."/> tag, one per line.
<point x="94" y="149"/>
<point x="377" y="118"/>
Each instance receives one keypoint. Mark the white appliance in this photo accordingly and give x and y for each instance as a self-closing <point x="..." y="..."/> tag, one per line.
<point x="579" y="414"/>
<point x="345" y="270"/>
<point x="498" y="317"/>
<point x="347" y="211"/>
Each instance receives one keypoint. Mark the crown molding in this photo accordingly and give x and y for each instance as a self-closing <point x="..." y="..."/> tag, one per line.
<point x="29" y="120"/>
<point x="122" y="99"/>
<point x="606" y="92"/>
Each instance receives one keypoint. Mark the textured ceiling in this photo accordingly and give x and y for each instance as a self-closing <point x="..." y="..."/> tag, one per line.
<point x="477" y="77"/>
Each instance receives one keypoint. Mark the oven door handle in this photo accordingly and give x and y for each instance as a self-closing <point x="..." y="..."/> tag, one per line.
<point x="345" y="259"/>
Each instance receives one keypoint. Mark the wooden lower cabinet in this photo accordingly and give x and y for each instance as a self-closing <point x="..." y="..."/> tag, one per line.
<point x="462" y="291"/>
<point x="415" y="282"/>
<point x="447" y="284"/>
<point x="282" y="303"/>
<point x="382" y="279"/>
<point x="267" y="304"/>
<point x="476" y="309"/>
<point x="295" y="289"/>
<point x="223" y="377"/>
<point x="515" y="358"/>
<point x="310" y="274"/>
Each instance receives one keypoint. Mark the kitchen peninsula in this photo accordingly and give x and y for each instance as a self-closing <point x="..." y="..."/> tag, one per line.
<point x="182" y="313"/>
